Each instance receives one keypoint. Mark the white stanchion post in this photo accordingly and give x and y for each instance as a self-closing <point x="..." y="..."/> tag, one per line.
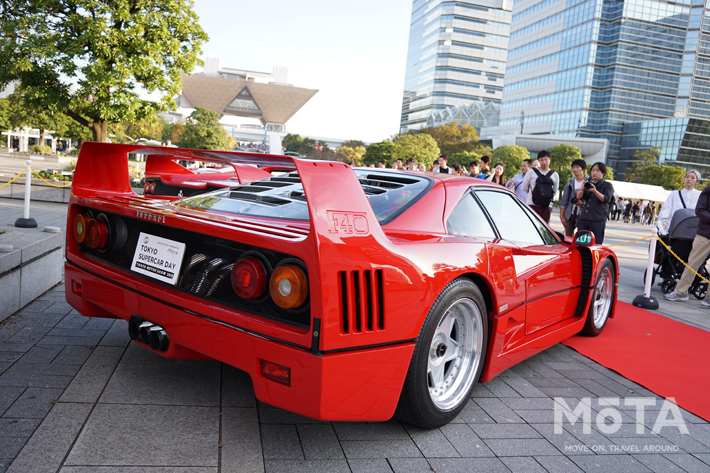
<point x="649" y="267"/>
<point x="28" y="188"/>
<point x="26" y="221"/>
<point x="647" y="301"/>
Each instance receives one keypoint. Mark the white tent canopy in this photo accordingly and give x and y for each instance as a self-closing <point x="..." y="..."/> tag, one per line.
<point x="631" y="190"/>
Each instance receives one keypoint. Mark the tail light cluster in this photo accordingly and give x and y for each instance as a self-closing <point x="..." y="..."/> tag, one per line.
<point x="287" y="283"/>
<point x="101" y="233"/>
<point x="149" y="187"/>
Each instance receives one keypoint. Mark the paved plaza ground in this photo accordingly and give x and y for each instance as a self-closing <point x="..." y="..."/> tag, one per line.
<point x="76" y="396"/>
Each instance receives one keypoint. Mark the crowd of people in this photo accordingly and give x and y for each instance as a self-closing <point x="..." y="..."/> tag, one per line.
<point x="587" y="200"/>
<point x="634" y="211"/>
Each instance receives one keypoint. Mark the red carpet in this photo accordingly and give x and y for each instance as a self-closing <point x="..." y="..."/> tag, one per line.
<point x="670" y="358"/>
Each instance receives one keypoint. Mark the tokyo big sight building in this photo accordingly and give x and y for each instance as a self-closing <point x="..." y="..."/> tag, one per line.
<point x="636" y="72"/>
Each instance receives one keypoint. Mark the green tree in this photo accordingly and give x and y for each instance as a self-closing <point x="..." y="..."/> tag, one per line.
<point x="5" y="115"/>
<point x="203" y="131"/>
<point x="23" y="114"/>
<point x="609" y="175"/>
<point x="77" y="132"/>
<point x="642" y="158"/>
<point x="379" y="152"/>
<point x="464" y="158"/>
<point x="646" y="171"/>
<point x="561" y="157"/>
<point x="307" y="148"/>
<point x="420" y="146"/>
<point x="353" y="143"/>
<point x="669" y="177"/>
<point x="291" y="142"/>
<point x="511" y="156"/>
<point x="151" y="129"/>
<point x="453" y="138"/>
<point x="87" y="58"/>
<point x="348" y="154"/>
<point x="172" y="132"/>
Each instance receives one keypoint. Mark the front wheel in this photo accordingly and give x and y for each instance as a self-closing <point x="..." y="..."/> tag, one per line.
<point x="602" y="300"/>
<point x="448" y="359"/>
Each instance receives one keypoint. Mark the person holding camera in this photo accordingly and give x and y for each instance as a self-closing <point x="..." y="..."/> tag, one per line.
<point x="597" y="194"/>
<point x="570" y="206"/>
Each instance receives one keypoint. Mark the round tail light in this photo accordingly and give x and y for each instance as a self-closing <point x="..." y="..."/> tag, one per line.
<point x="248" y="278"/>
<point x="288" y="286"/>
<point x="149" y="187"/>
<point x="96" y="234"/>
<point x="80" y="223"/>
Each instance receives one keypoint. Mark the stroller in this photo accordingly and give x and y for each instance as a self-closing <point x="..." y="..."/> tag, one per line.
<point x="681" y="234"/>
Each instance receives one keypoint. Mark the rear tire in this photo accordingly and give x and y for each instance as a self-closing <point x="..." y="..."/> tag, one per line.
<point x="448" y="359"/>
<point x="602" y="300"/>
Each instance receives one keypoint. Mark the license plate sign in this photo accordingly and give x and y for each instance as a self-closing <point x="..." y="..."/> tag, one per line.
<point x="158" y="258"/>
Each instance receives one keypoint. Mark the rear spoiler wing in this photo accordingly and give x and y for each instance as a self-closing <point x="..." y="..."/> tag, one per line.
<point x="338" y="206"/>
<point x="170" y="172"/>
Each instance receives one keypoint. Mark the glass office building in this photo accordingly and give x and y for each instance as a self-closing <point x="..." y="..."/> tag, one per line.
<point x="590" y="68"/>
<point x="685" y="142"/>
<point x="456" y="55"/>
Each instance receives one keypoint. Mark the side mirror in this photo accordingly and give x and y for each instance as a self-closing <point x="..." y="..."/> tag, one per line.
<point x="583" y="238"/>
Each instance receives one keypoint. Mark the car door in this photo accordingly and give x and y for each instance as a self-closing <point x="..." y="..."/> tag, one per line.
<point x="548" y="269"/>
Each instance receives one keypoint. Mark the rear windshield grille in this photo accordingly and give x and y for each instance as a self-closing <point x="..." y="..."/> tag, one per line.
<point x="389" y="193"/>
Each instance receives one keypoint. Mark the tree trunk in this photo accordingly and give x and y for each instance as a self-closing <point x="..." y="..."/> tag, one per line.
<point x="100" y="130"/>
<point x="41" y="136"/>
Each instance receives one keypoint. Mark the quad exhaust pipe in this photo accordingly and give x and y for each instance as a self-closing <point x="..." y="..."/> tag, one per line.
<point x="153" y="335"/>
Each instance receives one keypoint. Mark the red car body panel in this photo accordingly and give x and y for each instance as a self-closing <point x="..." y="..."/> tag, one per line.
<point x="351" y="361"/>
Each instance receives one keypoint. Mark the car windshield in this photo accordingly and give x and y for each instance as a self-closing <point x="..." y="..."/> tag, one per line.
<point x="389" y="192"/>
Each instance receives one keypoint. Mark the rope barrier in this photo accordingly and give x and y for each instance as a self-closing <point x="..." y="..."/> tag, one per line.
<point x="36" y="174"/>
<point x="14" y="178"/>
<point x="628" y="242"/>
<point x="669" y="250"/>
<point x="46" y="181"/>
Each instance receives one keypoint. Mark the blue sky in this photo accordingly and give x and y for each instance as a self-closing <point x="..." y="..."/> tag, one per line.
<point x="353" y="52"/>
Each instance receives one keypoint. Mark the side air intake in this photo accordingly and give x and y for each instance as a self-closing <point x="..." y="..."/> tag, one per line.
<point x="361" y="301"/>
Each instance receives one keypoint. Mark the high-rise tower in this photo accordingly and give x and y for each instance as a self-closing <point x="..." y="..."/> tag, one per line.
<point x="456" y="55"/>
<point x="587" y="68"/>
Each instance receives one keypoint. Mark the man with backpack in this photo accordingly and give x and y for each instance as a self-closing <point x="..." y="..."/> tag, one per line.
<point x="541" y="185"/>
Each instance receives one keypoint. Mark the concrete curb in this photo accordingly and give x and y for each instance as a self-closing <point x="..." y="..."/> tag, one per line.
<point x="32" y="266"/>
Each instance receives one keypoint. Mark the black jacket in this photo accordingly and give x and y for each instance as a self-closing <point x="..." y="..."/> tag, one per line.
<point x="702" y="210"/>
<point x="594" y="209"/>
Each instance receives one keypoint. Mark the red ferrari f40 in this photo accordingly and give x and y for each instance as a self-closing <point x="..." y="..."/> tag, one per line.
<point x="345" y="293"/>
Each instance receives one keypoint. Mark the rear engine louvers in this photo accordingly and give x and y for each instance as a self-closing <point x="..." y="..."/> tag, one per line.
<point x="361" y="301"/>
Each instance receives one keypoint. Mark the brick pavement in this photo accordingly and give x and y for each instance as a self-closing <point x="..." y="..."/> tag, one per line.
<point x="76" y="396"/>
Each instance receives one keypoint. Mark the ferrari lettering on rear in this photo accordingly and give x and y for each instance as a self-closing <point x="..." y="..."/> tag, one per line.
<point x="348" y="222"/>
<point x="151" y="217"/>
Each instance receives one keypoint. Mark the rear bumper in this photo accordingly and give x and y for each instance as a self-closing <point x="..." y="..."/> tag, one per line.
<point x="361" y="385"/>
